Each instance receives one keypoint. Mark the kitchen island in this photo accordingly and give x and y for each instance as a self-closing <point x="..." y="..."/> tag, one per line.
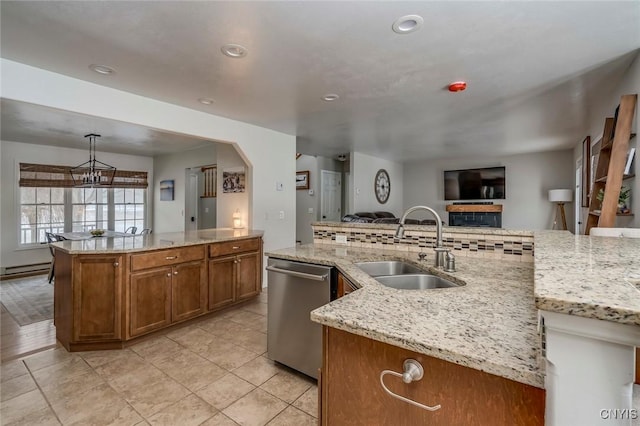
<point x="109" y="291"/>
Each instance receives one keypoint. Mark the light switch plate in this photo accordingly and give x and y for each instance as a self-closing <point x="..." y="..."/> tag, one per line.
<point x="279" y="186"/>
<point x="341" y="239"/>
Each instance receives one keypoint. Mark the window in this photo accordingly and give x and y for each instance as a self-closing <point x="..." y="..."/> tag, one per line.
<point x="50" y="203"/>
<point x="41" y="210"/>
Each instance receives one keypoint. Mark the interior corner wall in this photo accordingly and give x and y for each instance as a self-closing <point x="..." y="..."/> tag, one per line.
<point x="363" y="172"/>
<point x="528" y="178"/>
<point x="13" y="153"/>
<point x="270" y="154"/>
<point x="229" y="202"/>
<point x="603" y="106"/>
<point x="168" y="216"/>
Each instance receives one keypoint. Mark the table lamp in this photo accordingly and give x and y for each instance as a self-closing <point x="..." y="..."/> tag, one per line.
<point x="560" y="196"/>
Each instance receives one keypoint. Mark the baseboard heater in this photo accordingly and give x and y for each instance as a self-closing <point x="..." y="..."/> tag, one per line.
<point x="34" y="268"/>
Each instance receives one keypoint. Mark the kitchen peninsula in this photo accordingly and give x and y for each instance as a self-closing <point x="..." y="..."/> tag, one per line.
<point x="111" y="290"/>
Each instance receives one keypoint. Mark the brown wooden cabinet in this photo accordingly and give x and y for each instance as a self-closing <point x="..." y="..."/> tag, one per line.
<point x="351" y="392"/>
<point x="344" y="286"/>
<point x="235" y="271"/>
<point x="88" y="298"/>
<point x="174" y="289"/>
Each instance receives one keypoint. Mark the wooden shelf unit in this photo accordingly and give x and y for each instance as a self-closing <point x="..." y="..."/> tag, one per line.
<point x="609" y="172"/>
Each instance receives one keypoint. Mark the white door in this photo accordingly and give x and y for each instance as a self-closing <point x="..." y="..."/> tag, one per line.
<point x="578" y="201"/>
<point x="331" y="196"/>
<point x="191" y="201"/>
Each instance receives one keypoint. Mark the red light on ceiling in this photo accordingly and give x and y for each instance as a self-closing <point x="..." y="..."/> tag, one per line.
<point x="457" y="86"/>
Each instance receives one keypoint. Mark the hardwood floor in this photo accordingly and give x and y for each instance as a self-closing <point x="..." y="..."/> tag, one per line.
<point x="17" y="341"/>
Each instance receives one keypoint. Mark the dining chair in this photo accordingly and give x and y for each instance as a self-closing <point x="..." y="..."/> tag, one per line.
<point x="145" y="231"/>
<point x="131" y="230"/>
<point x="51" y="239"/>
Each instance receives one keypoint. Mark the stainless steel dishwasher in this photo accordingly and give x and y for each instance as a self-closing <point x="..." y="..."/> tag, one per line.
<point x="295" y="289"/>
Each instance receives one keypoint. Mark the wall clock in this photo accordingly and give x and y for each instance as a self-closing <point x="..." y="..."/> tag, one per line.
<point x="382" y="186"/>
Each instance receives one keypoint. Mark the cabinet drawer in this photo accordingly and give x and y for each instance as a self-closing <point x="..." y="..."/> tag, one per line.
<point x="233" y="247"/>
<point x="166" y="257"/>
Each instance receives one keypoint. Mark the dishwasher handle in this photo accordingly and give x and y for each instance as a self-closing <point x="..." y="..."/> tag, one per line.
<point x="298" y="274"/>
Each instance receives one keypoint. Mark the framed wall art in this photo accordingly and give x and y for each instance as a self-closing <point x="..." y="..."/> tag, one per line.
<point x="302" y="179"/>
<point x="233" y="179"/>
<point x="166" y="190"/>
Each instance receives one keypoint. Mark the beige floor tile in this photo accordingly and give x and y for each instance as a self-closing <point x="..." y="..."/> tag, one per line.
<point x="156" y="396"/>
<point x="121" y="366"/>
<point x="226" y="354"/>
<point x="256" y="408"/>
<point x="47" y="358"/>
<point x="259" y="325"/>
<point x="100" y="405"/>
<point x="222" y="327"/>
<point x="62" y="371"/>
<point x="71" y="386"/>
<point x="42" y="417"/>
<point x="287" y="386"/>
<point x="16" y="387"/>
<point x="245" y="317"/>
<point x="219" y="420"/>
<point x="250" y="339"/>
<point x="143" y="377"/>
<point x="192" y="337"/>
<point x="98" y="358"/>
<point x="291" y="416"/>
<point x="12" y="369"/>
<point x="156" y="348"/>
<point x="257" y="371"/>
<point x="256" y="307"/>
<point x="225" y="391"/>
<point x="15" y="409"/>
<point x="308" y="402"/>
<point x="189" y="411"/>
<point x="189" y="369"/>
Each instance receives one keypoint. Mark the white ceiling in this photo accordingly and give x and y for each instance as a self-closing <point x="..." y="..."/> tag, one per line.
<point x="533" y="68"/>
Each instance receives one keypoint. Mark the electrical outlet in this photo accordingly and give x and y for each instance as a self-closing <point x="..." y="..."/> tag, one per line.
<point x="310" y="211"/>
<point x="281" y="214"/>
<point x="341" y="239"/>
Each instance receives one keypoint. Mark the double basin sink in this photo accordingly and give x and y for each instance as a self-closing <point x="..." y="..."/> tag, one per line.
<point x="403" y="276"/>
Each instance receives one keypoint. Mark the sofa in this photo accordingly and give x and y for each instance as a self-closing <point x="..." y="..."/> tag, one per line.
<point x="383" y="217"/>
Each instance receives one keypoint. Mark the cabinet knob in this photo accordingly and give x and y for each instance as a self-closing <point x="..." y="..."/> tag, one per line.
<point x="175" y="272"/>
<point x="235" y="261"/>
<point x="169" y="274"/>
<point x="239" y="260"/>
<point x="116" y="263"/>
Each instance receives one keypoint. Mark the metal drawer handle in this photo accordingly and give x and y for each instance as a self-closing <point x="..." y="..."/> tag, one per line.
<point x="235" y="247"/>
<point x="413" y="372"/>
<point x="171" y="257"/>
<point x="298" y="274"/>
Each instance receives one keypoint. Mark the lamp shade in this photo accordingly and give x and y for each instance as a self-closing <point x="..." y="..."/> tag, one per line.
<point x="560" y="195"/>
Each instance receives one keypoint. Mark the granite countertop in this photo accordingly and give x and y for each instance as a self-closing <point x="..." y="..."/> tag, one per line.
<point x="105" y="245"/>
<point x="490" y="324"/>
<point x="591" y="277"/>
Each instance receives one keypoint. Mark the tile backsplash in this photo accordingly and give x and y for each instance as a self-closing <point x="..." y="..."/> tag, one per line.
<point x="469" y="242"/>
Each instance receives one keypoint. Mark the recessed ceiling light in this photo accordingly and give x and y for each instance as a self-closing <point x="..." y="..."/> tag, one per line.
<point x="234" y="50"/>
<point x="206" y="101"/>
<point x="330" y="97"/>
<point x="102" y="69"/>
<point x="407" y="24"/>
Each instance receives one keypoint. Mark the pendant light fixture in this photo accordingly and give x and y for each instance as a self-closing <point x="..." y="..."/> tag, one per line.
<point x="92" y="173"/>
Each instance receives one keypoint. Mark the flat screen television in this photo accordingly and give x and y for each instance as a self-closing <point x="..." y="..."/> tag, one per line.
<point x="475" y="184"/>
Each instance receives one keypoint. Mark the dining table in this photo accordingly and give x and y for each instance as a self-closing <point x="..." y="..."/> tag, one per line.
<point x="78" y="236"/>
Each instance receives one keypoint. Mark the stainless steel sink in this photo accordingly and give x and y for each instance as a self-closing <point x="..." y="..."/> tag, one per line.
<point x="392" y="267"/>
<point x="415" y="281"/>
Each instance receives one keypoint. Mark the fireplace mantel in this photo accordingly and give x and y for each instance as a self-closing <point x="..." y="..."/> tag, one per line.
<point x="474" y="208"/>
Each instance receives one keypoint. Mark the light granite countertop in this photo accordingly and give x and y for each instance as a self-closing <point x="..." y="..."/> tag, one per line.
<point x="105" y="245"/>
<point x="591" y="277"/>
<point x="490" y="324"/>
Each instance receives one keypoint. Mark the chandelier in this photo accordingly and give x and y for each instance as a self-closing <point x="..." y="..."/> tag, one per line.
<point x="92" y="173"/>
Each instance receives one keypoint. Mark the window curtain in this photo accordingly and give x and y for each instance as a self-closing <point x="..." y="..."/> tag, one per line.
<point x="44" y="175"/>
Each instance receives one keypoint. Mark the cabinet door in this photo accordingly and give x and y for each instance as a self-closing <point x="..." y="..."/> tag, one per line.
<point x="222" y="275"/>
<point x="188" y="290"/>
<point x="248" y="275"/>
<point x="97" y="298"/>
<point x="150" y="300"/>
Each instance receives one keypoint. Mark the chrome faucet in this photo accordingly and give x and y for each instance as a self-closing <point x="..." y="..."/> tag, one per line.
<point x="439" y="247"/>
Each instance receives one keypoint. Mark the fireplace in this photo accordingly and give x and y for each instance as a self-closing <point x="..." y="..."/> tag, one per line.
<point x="475" y="215"/>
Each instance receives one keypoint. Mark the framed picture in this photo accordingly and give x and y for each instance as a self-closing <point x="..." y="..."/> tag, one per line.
<point x="233" y="179"/>
<point x="302" y="180"/>
<point x="586" y="171"/>
<point x="166" y="190"/>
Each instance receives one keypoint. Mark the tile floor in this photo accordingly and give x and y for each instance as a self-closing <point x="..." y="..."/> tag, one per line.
<point x="214" y="372"/>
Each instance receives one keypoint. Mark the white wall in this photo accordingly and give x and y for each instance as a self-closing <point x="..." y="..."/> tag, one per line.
<point x="603" y="106"/>
<point x="14" y="153"/>
<point x="270" y="154"/>
<point x="528" y="178"/>
<point x="363" y="172"/>
<point x="168" y="216"/>
<point x="304" y="201"/>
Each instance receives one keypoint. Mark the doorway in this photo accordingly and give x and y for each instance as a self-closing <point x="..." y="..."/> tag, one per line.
<point x="200" y="198"/>
<point x="578" y="199"/>
<point x="330" y="196"/>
